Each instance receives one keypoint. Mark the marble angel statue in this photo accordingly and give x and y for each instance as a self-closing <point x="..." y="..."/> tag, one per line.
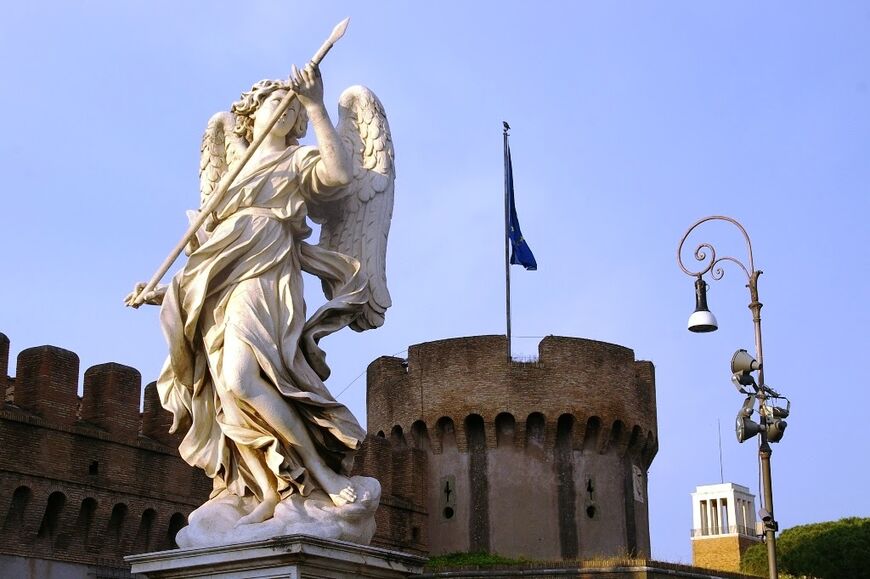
<point x="245" y="374"/>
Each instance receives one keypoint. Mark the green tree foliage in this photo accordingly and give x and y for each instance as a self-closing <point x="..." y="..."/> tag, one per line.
<point x="754" y="560"/>
<point x="831" y="550"/>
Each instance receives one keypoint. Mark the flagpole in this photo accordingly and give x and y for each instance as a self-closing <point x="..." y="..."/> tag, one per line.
<point x="507" y="267"/>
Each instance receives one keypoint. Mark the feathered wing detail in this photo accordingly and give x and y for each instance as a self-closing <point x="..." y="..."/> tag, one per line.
<point x="358" y="223"/>
<point x="220" y="149"/>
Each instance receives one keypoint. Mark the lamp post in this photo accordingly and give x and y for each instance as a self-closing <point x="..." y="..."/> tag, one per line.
<point x="771" y="425"/>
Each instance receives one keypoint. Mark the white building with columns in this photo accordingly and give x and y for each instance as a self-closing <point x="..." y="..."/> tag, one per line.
<point x="723" y="525"/>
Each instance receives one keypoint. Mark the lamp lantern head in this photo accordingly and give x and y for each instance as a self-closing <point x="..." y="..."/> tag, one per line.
<point x="702" y="320"/>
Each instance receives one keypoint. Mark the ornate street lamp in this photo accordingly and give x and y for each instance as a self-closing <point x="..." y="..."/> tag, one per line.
<point x="771" y="425"/>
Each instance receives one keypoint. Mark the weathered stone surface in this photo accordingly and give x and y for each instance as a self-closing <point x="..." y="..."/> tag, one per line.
<point x="289" y="557"/>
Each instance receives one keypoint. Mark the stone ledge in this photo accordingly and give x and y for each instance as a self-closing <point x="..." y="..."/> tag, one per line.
<point x="290" y="557"/>
<point x="639" y="569"/>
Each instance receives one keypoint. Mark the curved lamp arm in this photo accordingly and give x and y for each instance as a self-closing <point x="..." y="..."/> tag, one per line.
<point x="701" y="252"/>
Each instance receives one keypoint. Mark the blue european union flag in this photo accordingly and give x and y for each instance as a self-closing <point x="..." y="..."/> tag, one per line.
<point x="521" y="254"/>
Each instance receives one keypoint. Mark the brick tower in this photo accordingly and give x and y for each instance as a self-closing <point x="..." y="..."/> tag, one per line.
<point x="545" y="459"/>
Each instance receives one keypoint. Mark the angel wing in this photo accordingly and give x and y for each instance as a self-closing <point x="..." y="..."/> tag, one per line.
<point x="358" y="223"/>
<point x="220" y="149"/>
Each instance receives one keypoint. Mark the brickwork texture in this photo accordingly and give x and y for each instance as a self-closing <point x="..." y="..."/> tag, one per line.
<point x="723" y="552"/>
<point x="543" y="459"/>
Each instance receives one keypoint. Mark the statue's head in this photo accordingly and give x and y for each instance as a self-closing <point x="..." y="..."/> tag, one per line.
<point x="254" y="109"/>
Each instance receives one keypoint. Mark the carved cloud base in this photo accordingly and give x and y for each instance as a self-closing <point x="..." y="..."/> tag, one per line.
<point x="214" y="523"/>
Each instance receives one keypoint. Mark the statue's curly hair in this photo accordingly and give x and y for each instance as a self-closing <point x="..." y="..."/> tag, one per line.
<point x="250" y="101"/>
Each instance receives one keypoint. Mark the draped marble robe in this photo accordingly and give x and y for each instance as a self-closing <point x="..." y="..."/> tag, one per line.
<point x="246" y="278"/>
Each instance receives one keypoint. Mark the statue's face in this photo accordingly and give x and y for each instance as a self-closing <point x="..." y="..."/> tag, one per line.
<point x="287" y="121"/>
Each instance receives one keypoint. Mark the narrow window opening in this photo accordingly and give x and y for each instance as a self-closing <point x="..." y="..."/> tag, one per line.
<point x="86" y="519"/>
<point x="448" y="513"/>
<point x="505" y="429"/>
<point x="20" y="500"/>
<point x="53" y="508"/>
<point x="590" y="511"/>
<point x="176" y="523"/>
<point x="397" y="437"/>
<point x="420" y="435"/>
<point x="94" y="468"/>
<point x="143" y="535"/>
<point x="535" y="430"/>
<point x="590" y="438"/>
<point x="114" y="531"/>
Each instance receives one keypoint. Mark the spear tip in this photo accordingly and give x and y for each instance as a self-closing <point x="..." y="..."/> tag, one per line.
<point x="339" y="29"/>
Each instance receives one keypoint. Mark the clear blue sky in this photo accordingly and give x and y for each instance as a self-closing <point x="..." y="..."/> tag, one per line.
<point x="630" y="121"/>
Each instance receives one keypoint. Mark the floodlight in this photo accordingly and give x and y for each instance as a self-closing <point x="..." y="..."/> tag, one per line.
<point x="746" y="428"/>
<point x="775" y="430"/>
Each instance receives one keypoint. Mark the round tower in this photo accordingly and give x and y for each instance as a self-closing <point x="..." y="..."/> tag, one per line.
<point x="545" y="459"/>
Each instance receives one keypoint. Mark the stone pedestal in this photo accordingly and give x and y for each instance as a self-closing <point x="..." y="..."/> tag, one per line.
<point x="287" y="557"/>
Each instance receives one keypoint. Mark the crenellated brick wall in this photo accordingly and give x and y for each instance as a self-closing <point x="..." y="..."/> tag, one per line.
<point x="90" y="479"/>
<point x="87" y="480"/>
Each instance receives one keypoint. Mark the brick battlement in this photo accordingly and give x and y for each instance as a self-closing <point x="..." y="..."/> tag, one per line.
<point x="45" y="388"/>
<point x="594" y="392"/>
<point x="91" y="479"/>
<point x="87" y="479"/>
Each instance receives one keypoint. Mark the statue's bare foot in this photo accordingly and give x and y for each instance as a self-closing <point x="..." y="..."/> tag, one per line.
<point x="340" y="490"/>
<point x="345" y="496"/>
<point x="264" y="511"/>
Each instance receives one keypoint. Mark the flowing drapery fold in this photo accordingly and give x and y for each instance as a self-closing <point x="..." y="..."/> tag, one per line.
<point x="246" y="280"/>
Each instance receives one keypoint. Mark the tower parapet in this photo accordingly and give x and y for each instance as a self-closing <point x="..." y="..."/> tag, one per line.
<point x="545" y="459"/>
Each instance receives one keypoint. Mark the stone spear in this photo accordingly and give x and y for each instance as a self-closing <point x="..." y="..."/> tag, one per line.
<point x="228" y="179"/>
